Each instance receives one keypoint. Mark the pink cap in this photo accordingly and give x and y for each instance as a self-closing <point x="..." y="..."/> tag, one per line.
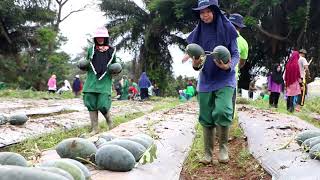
<point x="101" y="32"/>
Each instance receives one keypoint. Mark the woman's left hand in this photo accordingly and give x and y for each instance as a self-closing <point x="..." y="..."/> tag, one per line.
<point x="222" y="65"/>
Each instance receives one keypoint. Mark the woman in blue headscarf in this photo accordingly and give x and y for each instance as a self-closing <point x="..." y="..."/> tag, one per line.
<point x="217" y="80"/>
<point x="144" y="83"/>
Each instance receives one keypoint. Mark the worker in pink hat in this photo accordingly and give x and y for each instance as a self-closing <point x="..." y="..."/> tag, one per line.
<point x="97" y="87"/>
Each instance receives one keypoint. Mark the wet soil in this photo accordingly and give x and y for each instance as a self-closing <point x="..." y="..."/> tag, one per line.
<point x="236" y="169"/>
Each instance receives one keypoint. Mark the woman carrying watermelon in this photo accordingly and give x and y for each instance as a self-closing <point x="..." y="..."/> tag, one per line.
<point x="97" y="87"/>
<point x="217" y="79"/>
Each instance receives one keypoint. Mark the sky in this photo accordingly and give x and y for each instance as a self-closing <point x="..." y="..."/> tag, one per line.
<point x="78" y="26"/>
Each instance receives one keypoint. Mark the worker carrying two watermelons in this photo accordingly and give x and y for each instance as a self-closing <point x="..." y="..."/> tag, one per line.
<point x="217" y="79"/>
<point x="100" y="67"/>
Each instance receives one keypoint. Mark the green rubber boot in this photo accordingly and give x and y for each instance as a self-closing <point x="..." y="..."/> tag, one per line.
<point x="108" y="120"/>
<point x="208" y="138"/>
<point x="94" y="122"/>
<point x="223" y="144"/>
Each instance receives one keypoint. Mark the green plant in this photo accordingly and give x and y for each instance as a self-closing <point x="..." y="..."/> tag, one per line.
<point x="243" y="157"/>
<point x="30" y="94"/>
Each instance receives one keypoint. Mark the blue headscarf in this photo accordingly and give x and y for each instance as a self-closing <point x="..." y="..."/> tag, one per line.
<point x="144" y="81"/>
<point x="219" y="32"/>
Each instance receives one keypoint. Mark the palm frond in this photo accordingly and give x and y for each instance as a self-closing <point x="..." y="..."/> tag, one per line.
<point x="123" y="8"/>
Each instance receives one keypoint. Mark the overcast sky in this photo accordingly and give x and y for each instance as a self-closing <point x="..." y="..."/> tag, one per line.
<point x="77" y="27"/>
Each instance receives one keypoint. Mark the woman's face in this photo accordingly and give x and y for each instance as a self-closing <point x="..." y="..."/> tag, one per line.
<point x="278" y="68"/>
<point x="206" y="15"/>
<point x="100" y="40"/>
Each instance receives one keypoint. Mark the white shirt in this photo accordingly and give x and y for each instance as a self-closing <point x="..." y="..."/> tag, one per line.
<point x="302" y="62"/>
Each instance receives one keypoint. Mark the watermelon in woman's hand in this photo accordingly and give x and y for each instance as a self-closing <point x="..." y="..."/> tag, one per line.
<point x="221" y="53"/>
<point x="195" y="51"/>
<point x="115" y="68"/>
<point x="83" y="64"/>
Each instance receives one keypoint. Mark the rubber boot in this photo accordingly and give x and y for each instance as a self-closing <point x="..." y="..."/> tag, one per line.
<point x="94" y="122"/>
<point x="223" y="144"/>
<point x="108" y="120"/>
<point x="208" y="139"/>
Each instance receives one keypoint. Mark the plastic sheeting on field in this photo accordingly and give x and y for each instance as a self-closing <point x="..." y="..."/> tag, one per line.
<point x="314" y="88"/>
<point x="175" y="129"/>
<point x="268" y="134"/>
<point x="49" y="122"/>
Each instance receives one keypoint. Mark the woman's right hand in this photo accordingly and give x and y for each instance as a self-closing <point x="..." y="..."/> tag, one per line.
<point x="185" y="58"/>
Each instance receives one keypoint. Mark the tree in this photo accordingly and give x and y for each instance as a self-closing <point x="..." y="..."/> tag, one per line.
<point x="28" y="44"/>
<point x="59" y="18"/>
<point x="19" y="21"/>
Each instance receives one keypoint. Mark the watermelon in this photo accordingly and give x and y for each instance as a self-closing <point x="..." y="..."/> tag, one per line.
<point x="194" y="50"/>
<point x="27" y="173"/>
<point x="100" y="142"/>
<point x="107" y="137"/>
<point x="10" y="158"/>
<point x="301" y="137"/>
<point x="307" y="143"/>
<point x="314" y="142"/>
<point x="315" y="152"/>
<point x="146" y="137"/>
<point x="221" y="53"/>
<point x="134" y="148"/>
<point x="18" y="119"/>
<point x="83" y="64"/>
<point x="3" y="119"/>
<point x="72" y="169"/>
<point x="56" y="171"/>
<point x="76" y="147"/>
<point x="114" y="68"/>
<point x="114" y="158"/>
<point x="141" y="141"/>
<point x="83" y="168"/>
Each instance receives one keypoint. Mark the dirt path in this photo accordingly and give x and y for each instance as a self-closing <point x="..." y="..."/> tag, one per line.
<point x="175" y="129"/>
<point x="77" y="117"/>
<point x="268" y="134"/>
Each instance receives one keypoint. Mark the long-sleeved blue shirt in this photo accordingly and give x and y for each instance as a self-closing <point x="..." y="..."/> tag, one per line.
<point x="213" y="78"/>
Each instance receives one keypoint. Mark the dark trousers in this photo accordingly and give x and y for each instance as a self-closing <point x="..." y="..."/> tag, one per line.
<point x="250" y="94"/>
<point x="118" y="91"/>
<point x="290" y="107"/>
<point x="77" y="93"/>
<point x="273" y="99"/>
<point x="51" y="91"/>
<point x="144" y="93"/>
<point x="157" y="92"/>
<point x="234" y="98"/>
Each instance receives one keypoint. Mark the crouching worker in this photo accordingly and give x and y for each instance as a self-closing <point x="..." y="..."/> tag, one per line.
<point x="97" y="87"/>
